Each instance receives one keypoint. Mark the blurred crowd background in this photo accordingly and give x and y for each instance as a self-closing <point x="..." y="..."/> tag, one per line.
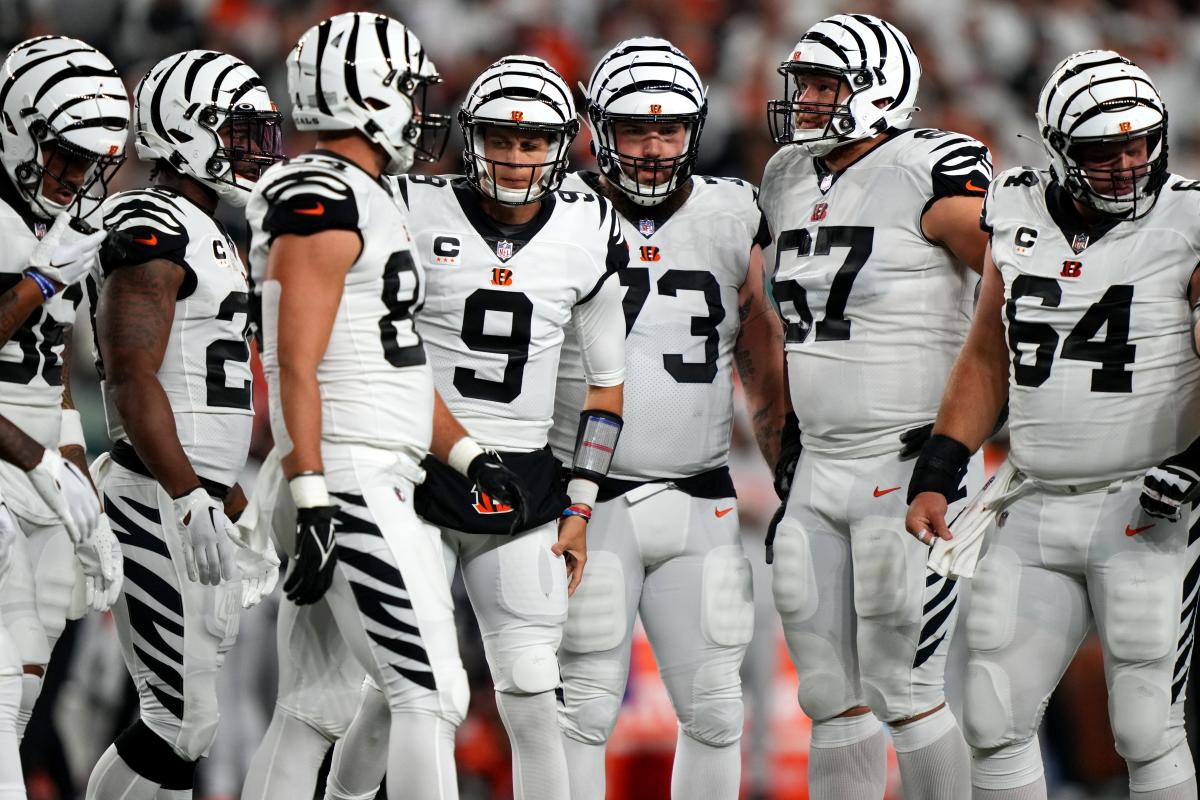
<point x="984" y="62"/>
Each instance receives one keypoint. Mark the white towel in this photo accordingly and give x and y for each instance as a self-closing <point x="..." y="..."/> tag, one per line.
<point x="957" y="557"/>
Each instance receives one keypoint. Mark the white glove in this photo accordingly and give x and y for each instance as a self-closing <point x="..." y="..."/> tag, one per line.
<point x="256" y="557"/>
<point x="957" y="558"/>
<point x="65" y="255"/>
<point x="63" y="488"/>
<point x="101" y="568"/>
<point x="206" y="532"/>
<point x="260" y="573"/>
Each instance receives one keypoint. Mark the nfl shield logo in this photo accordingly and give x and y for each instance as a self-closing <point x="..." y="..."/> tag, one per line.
<point x="39" y="229"/>
<point x="646" y="227"/>
<point x="1080" y="242"/>
<point x="504" y="248"/>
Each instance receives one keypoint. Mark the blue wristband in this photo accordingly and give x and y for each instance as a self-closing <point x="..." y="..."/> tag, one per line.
<point x="44" y="284"/>
<point x="572" y="511"/>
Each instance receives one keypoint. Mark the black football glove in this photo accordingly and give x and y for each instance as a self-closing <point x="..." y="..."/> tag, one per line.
<point x="789" y="455"/>
<point x="1171" y="485"/>
<point x="311" y="573"/>
<point x="500" y="483"/>
<point x="913" y="439"/>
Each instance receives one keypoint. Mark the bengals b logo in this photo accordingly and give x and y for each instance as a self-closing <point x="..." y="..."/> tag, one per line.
<point x="501" y="276"/>
<point x="486" y="505"/>
<point x="650" y="253"/>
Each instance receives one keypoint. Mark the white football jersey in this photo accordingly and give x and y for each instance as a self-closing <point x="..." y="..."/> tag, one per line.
<point x="876" y="314"/>
<point x="681" y="317"/>
<point x="31" y="385"/>
<point x="205" y="370"/>
<point x="376" y="385"/>
<point x="499" y="302"/>
<point x="1103" y="378"/>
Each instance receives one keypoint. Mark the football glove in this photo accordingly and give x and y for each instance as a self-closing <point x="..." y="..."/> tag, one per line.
<point x="63" y="488"/>
<point x="498" y="482"/>
<point x="1171" y="485"/>
<point x="68" y="250"/>
<point x="913" y="439"/>
<point x="789" y="455"/>
<point x="101" y="570"/>
<point x="206" y="532"/>
<point x="311" y="572"/>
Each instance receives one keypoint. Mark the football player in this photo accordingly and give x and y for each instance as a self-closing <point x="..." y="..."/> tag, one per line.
<point x="512" y="262"/>
<point x="352" y="394"/>
<point x="876" y="240"/>
<point x="171" y="324"/>
<point x="1086" y="323"/>
<point x="664" y="540"/>
<point x="67" y="118"/>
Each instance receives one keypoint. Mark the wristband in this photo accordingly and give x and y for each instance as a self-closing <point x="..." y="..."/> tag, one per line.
<point x="309" y="490"/>
<point x="464" y="451"/>
<point x="583" y="492"/>
<point x="940" y="467"/>
<point x="577" y="511"/>
<point x="70" y="432"/>
<point x="44" y="284"/>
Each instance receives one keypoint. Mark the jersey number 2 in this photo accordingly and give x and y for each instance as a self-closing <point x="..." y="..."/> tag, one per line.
<point x="222" y="351"/>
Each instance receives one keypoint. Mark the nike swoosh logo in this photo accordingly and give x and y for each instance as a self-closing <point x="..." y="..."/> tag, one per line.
<point x="881" y="492"/>
<point x="1135" y="531"/>
<point x="152" y="241"/>
<point x="325" y="553"/>
<point x="971" y="187"/>
<point x="720" y="512"/>
<point x="315" y="211"/>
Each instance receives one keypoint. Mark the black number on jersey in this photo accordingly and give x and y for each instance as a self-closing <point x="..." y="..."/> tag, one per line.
<point x="514" y="344"/>
<point x="1113" y="353"/>
<point x="398" y="310"/>
<point x="834" y="327"/>
<point x="37" y="338"/>
<point x="223" y="351"/>
<point x="636" y="280"/>
<point x="1026" y="178"/>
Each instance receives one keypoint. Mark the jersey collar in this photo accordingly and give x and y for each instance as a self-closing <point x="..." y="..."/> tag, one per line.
<point x="504" y="243"/>
<point x="1061" y="207"/>
<point x="826" y="177"/>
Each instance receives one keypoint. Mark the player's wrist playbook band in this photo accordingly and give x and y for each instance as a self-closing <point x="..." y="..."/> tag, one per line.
<point x="578" y="511"/>
<point x="940" y="467"/>
<point x="44" y="284"/>
<point x="595" y="443"/>
<point x="308" y="490"/>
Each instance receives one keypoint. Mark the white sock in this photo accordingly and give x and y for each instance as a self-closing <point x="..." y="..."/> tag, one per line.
<point x="934" y="762"/>
<point x="1030" y="791"/>
<point x="112" y="779"/>
<point x="704" y="772"/>
<point x="31" y="687"/>
<point x="287" y="760"/>
<point x="360" y="758"/>
<point x="420" y="762"/>
<point x="12" y="783"/>
<point x="1180" y="791"/>
<point x="585" y="769"/>
<point x="847" y="760"/>
<point x="539" y="764"/>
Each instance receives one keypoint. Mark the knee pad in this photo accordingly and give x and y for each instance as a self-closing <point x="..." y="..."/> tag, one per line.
<point x="150" y="756"/>
<point x="1170" y="769"/>
<point x="31" y="687"/>
<point x="456" y="696"/>
<point x="533" y="670"/>
<point x="826" y="688"/>
<point x="592" y="688"/>
<point x="987" y="706"/>
<point x="1141" y="609"/>
<point x="727" y="597"/>
<point x="596" y="614"/>
<point x="992" y="616"/>
<point x="880" y="569"/>
<point x="1140" y="707"/>
<point x="1007" y="767"/>
<point x="793" y="579"/>
<point x="54" y="579"/>
<point x="716" y="716"/>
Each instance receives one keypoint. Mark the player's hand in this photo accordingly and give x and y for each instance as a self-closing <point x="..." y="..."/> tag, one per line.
<point x="926" y="518"/>
<point x="311" y="573"/>
<point x="260" y="573"/>
<point x="68" y="250"/>
<point x="500" y="483"/>
<point x="1167" y="488"/>
<point x="913" y="439"/>
<point x="572" y="546"/>
<point x="206" y="532"/>
<point x="789" y="455"/>
<point x="776" y="518"/>
<point x="102" y="567"/>
<point x="68" y="493"/>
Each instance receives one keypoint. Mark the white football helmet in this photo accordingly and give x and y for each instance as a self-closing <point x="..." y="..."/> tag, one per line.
<point x="367" y="72"/>
<point x="61" y="104"/>
<point x="876" y="62"/>
<point x="185" y="103"/>
<point x="522" y="93"/>
<point x="1100" y="96"/>
<point x="645" y="80"/>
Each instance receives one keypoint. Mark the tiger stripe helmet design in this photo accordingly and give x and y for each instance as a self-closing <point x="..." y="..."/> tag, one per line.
<point x="878" y="65"/>
<point x="524" y="94"/>
<point x="1101" y="96"/>
<point x="183" y="105"/>
<point x="367" y="72"/>
<point x="61" y="101"/>
<point x="645" y="80"/>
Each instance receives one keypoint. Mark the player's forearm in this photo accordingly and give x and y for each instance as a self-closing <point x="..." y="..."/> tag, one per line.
<point x="758" y="355"/>
<point x="300" y="399"/>
<point x="16" y="305"/>
<point x="447" y="430"/>
<point x="974" y="395"/>
<point x="605" y="398"/>
<point x="150" y="427"/>
<point x="17" y="447"/>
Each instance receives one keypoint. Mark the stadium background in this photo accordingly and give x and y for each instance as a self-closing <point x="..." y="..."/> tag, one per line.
<point x="983" y="60"/>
